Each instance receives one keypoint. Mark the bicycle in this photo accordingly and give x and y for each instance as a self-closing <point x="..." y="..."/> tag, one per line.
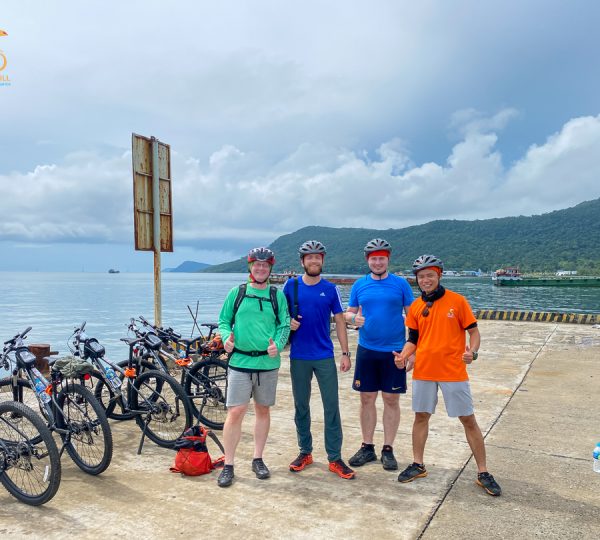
<point x="69" y="409"/>
<point x="202" y="372"/>
<point x="29" y="459"/>
<point x="134" y="389"/>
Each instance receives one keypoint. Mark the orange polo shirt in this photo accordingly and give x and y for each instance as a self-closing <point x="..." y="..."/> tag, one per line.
<point x="442" y="339"/>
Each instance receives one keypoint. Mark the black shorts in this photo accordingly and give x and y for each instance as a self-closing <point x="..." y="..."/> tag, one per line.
<point x="376" y="371"/>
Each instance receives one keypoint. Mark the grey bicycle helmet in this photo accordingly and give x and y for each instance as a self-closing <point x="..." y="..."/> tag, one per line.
<point x="426" y="261"/>
<point x="377" y="244"/>
<point x="311" y="246"/>
<point x="261" y="254"/>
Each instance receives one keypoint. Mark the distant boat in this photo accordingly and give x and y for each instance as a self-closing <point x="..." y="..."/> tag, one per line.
<point x="113" y="271"/>
<point x="512" y="277"/>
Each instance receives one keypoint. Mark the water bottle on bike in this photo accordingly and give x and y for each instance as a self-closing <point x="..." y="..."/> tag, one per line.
<point x="40" y="385"/>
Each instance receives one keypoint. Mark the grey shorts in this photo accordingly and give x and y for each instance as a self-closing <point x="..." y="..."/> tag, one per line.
<point x="457" y="397"/>
<point x="242" y="386"/>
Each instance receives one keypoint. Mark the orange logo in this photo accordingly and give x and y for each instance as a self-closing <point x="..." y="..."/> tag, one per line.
<point x="451" y="313"/>
<point x="4" y="80"/>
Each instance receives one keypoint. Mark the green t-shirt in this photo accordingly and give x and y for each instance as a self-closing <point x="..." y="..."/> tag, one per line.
<point x="254" y="326"/>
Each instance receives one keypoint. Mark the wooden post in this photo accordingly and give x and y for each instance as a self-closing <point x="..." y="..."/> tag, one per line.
<point x="156" y="230"/>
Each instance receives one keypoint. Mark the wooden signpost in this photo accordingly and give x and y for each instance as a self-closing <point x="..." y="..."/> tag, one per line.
<point x="152" y="208"/>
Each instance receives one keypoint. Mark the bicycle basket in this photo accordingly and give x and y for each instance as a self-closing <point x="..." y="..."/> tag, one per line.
<point x="71" y="366"/>
<point x="152" y="341"/>
<point x="93" y="349"/>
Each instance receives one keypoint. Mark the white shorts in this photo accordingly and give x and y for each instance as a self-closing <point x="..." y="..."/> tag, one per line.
<point x="457" y="397"/>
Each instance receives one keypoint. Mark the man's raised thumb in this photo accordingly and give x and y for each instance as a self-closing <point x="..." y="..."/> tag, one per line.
<point x="271" y="342"/>
<point x="230" y="338"/>
<point x="359" y="312"/>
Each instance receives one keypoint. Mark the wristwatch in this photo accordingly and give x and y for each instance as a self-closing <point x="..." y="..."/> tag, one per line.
<point x="348" y="354"/>
<point x="475" y="355"/>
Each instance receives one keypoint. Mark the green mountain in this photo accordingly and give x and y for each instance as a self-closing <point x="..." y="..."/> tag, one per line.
<point x="565" y="239"/>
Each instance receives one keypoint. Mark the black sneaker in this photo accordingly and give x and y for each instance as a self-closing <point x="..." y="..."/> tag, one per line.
<point x="260" y="469"/>
<point x="388" y="460"/>
<point x="487" y="482"/>
<point x="414" y="470"/>
<point x="226" y="477"/>
<point x="364" y="455"/>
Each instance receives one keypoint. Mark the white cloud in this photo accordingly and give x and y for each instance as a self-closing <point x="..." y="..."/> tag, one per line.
<point x="237" y="197"/>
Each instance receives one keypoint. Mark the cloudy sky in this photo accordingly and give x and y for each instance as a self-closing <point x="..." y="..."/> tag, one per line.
<point x="380" y="114"/>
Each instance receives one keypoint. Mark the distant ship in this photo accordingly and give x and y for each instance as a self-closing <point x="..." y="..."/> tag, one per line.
<point x="113" y="271"/>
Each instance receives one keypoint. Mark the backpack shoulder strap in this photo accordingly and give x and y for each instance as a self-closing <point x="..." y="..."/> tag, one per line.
<point x="274" y="302"/>
<point x="238" y="300"/>
<point x="295" y="307"/>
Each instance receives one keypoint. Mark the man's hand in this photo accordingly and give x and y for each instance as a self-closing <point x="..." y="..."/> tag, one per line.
<point x="399" y="360"/>
<point x="228" y="345"/>
<point x="272" y="348"/>
<point x="468" y="355"/>
<point x="345" y="364"/>
<point x="295" y="324"/>
<point x="358" y="319"/>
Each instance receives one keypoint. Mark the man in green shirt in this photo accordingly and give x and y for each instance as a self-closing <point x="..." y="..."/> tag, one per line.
<point x="254" y="324"/>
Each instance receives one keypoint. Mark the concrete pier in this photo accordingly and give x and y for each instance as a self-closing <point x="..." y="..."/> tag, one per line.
<point x="537" y="399"/>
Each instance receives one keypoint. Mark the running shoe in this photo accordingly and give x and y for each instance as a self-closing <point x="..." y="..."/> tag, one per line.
<point x="414" y="470"/>
<point x="388" y="460"/>
<point x="364" y="455"/>
<point x="302" y="461"/>
<point x="260" y="469"/>
<point x="487" y="482"/>
<point x="341" y="469"/>
<point x="226" y="477"/>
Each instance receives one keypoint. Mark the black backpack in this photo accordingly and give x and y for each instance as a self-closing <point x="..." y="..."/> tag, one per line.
<point x="242" y="294"/>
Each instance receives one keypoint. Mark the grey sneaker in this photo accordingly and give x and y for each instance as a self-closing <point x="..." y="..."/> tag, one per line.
<point x="226" y="477"/>
<point x="414" y="470"/>
<point x="364" y="455"/>
<point x="260" y="469"/>
<point x="388" y="460"/>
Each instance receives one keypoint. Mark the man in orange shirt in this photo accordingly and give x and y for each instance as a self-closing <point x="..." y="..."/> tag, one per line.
<point x="436" y="324"/>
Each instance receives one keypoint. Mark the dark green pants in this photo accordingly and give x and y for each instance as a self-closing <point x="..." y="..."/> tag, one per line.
<point x="302" y="373"/>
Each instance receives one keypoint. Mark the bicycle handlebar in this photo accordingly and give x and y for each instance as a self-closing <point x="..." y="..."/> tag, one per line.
<point x="19" y="336"/>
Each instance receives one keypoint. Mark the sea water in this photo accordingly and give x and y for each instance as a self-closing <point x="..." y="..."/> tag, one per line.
<point x="54" y="303"/>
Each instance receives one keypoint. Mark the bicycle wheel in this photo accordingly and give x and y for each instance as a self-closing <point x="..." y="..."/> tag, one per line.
<point x="28" y="470"/>
<point x="24" y="393"/>
<point x="206" y="386"/>
<point x="165" y="411"/>
<point x="116" y="406"/>
<point x="88" y="439"/>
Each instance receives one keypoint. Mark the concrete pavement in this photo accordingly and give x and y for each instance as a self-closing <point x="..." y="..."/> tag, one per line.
<point x="537" y="397"/>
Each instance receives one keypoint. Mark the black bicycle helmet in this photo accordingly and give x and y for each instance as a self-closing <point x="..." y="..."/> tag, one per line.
<point x="427" y="261"/>
<point x="377" y="244"/>
<point x="311" y="246"/>
<point x="261" y="254"/>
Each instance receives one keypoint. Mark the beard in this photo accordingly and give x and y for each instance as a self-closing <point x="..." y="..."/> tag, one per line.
<point x="313" y="272"/>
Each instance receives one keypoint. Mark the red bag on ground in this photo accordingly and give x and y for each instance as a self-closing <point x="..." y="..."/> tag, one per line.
<point x="192" y="457"/>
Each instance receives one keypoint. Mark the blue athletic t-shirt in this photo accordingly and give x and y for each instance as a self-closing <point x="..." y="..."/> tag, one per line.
<point x="316" y="303"/>
<point x="382" y="302"/>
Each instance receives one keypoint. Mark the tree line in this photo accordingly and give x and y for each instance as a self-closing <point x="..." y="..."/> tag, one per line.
<point x="564" y="239"/>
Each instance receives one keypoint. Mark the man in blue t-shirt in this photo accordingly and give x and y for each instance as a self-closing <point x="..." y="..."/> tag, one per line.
<point x="312" y="300"/>
<point x="376" y="307"/>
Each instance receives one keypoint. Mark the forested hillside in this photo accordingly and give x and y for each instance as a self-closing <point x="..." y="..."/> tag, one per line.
<point x="565" y="239"/>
